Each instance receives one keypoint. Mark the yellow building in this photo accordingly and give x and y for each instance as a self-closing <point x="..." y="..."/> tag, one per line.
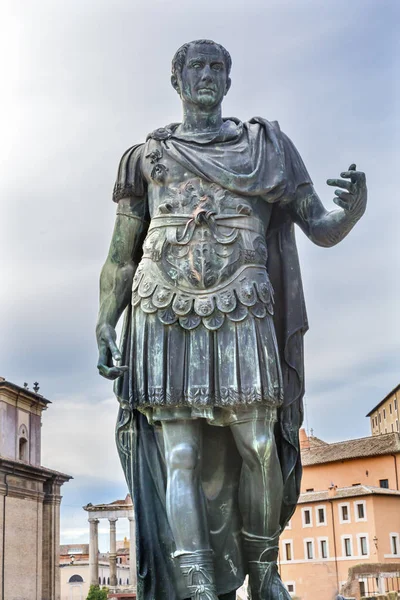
<point x="385" y="416"/>
<point x="29" y="500"/>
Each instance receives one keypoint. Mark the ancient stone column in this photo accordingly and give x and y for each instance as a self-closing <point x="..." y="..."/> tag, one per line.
<point x="113" y="551"/>
<point x="132" y="552"/>
<point x="94" y="552"/>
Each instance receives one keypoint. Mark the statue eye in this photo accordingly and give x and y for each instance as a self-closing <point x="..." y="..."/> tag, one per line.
<point x="196" y="65"/>
<point x="217" y="67"/>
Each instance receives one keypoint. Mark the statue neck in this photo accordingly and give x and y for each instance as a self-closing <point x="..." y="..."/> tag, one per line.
<point x="197" y="120"/>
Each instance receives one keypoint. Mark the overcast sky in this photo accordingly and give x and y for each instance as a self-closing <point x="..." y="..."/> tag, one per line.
<point x="85" y="79"/>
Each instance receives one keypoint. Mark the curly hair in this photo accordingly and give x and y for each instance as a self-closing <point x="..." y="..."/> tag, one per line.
<point x="180" y="56"/>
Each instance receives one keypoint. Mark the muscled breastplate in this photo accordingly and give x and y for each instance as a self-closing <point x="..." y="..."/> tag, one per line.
<point x="204" y="257"/>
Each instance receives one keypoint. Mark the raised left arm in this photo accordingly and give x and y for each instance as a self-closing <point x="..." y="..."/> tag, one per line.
<point x="327" y="228"/>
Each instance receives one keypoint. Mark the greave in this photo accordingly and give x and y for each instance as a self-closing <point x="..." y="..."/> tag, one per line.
<point x="262" y="553"/>
<point x="198" y="571"/>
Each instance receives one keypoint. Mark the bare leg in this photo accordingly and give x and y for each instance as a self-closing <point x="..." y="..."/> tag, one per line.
<point x="261" y="484"/>
<point x="185" y="499"/>
<point x="186" y="508"/>
<point x="260" y="497"/>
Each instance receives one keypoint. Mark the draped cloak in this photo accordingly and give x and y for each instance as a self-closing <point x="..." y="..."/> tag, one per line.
<point x="278" y="172"/>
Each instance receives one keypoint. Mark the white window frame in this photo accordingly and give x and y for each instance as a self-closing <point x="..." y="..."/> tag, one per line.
<point x="341" y="521"/>
<point x="323" y="539"/>
<point x="344" y="537"/>
<point x="306" y="541"/>
<point x="293" y="583"/>
<point x="289" y="543"/>
<point x="397" y="537"/>
<point x="289" y="526"/>
<point x="303" y="511"/>
<point x="356" y="517"/>
<point x="317" y="509"/>
<point x="359" y="536"/>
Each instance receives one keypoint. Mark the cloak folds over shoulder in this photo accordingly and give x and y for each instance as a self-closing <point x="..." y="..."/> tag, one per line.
<point x="274" y="171"/>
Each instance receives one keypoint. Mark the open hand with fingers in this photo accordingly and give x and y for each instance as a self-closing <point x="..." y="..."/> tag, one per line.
<point x="353" y="195"/>
<point x="108" y="351"/>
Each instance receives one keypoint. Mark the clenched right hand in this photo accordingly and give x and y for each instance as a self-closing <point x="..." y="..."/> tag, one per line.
<point x="108" y="351"/>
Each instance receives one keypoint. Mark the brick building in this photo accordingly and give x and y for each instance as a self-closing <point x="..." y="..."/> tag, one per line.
<point x="29" y="500"/>
<point x="348" y="514"/>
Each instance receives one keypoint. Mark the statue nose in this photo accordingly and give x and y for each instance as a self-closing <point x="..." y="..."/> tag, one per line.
<point x="206" y="75"/>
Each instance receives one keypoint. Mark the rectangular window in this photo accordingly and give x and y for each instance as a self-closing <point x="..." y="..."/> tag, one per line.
<point x="306" y="516"/>
<point x="384" y="483"/>
<point x="310" y="553"/>
<point x="310" y="490"/>
<point x="290" y="588"/>
<point x="397" y="425"/>
<point x="395" y="546"/>
<point x="320" y="514"/>
<point x="384" y="413"/>
<point x="395" y="404"/>
<point x="324" y="548"/>
<point x="380" y="419"/>
<point x="344" y="513"/>
<point x="363" y="546"/>
<point x="288" y="551"/>
<point x="390" y="408"/>
<point x="360" y="511"/>
<point x="347" y="546"/>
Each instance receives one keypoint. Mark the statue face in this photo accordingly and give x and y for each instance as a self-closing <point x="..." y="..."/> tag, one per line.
<point x="204" y="80"/>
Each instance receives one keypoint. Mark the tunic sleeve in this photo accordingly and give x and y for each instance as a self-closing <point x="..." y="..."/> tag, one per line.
<point x="130" y="182"/>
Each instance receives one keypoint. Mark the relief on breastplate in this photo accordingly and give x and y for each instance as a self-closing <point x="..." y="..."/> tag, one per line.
<point x="198" y="236"/>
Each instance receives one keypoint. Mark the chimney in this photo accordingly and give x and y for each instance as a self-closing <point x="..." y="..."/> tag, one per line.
<point x="304" y="441"/>
<point x="332" y="490"/>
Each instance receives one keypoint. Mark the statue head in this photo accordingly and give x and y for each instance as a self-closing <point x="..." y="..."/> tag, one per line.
<point x="200" y="72"/>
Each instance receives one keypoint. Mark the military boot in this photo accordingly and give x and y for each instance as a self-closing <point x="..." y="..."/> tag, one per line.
<point x="198" y="571"/>
<point x="264" y="580"/>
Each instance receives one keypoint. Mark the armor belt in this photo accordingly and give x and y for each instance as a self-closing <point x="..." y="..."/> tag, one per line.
<point x="204" y="267"/>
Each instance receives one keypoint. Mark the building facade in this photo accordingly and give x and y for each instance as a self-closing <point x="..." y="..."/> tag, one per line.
<point x="30" y="497"/>
<point x="385" y="416"/>
<point x="75" y="569"/>
<point x="348" y="515"/>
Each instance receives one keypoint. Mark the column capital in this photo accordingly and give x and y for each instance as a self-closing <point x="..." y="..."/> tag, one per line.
<point x="131" y="518"/>
<point x="93" y="520"/>
<point x="113" y="519"/>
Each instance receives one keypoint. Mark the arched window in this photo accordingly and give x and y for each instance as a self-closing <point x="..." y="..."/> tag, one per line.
<point x="75" y="579"/>
<point x="23" y="446"/>
<point x="104" y="581"/>
<point x="120" y="581"/>
<point x="127" y="581"/>
<point x="108" y="581"/>
<point x="99" y="580"/>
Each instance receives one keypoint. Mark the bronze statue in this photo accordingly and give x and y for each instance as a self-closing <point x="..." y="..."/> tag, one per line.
<point x="210" y="372"/>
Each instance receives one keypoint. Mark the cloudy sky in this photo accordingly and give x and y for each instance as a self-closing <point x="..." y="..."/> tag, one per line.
<point x="85" y="79"/>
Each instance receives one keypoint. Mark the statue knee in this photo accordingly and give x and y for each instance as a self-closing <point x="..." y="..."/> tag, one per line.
<point x="184" y="456"/>
<point x="259" y="450"/>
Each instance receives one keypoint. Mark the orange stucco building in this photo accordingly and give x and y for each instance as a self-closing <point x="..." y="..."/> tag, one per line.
<point x="348" y="515"/>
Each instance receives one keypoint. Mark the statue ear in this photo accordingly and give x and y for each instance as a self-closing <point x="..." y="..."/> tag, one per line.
<point x="175" y="84"/>
<point x="228" y="85"/>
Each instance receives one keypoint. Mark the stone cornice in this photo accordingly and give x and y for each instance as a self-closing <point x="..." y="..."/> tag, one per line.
<point x="21" y="469"/>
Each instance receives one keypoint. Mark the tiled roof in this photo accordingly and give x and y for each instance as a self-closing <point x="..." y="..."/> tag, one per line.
<point x="376" y="445"/>
<point x="394" y="390"/>
<point x="347" y="492"/>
